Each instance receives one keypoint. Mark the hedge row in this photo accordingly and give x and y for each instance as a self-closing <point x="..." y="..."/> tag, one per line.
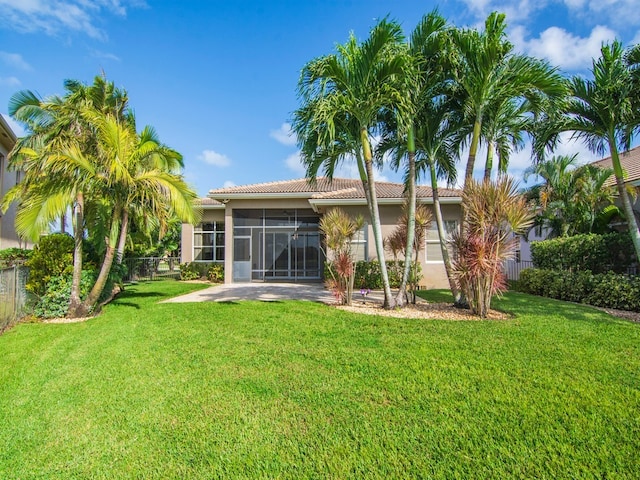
<point x="609" y="290"/>
<point x="596" y="253"/>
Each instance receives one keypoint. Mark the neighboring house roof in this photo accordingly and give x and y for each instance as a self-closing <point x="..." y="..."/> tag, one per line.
<point x="7" y="137"/>
<point x="630" y="162"/>
<point x="325" y="190"/>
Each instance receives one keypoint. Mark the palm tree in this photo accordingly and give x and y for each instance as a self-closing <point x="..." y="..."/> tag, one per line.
<point x="434" y="124"/>
<point x="571" y="199"/>
<point x="503" y="130"/>
<point x="57" y="127"/>
<point x="603" y="111"/>
<point x="132" y="174"/>
<point x="343" y="96"/>
<point x="488" y="74"/>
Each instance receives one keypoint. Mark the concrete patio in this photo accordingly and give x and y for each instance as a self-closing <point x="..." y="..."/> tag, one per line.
<point x="267" y="292"/>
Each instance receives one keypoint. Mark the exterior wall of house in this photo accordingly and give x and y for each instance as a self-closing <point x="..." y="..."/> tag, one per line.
<point x="8" y="179"/>
<point x="433" y="271"/>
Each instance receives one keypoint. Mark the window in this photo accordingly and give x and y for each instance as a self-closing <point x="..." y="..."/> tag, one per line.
<point x="433" y="252"/>
<point x="359" y="244"/>
<point x="208" y="242"/>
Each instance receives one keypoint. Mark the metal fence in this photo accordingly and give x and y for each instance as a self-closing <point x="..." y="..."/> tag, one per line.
<point x="13" y="295"/>
<point x="151" y="268"/>
<point x="513" y="268"/>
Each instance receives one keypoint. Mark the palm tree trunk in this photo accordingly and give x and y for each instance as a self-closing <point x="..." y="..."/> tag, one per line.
<point x="473" y="151"/>
<point x="123" y="236"/>
<point x="488" y="166"/>
<point x="626" y="202"/>
<point x="455" y="291"/>
<point x="375" y="218"/>
<point x="401" y="297"/>
<point x="94" y="295"/>
<point x="75" y="301"/>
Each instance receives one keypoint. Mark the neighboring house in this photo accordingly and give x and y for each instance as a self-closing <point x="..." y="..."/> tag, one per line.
<point x="8" y="179"/>
<point x="630" y="163"/>
<point x="270" y="231"/>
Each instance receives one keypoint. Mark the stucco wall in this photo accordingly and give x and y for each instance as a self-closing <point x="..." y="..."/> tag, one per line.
<point x="8" y="236"/>
<point x="434" y="275"/>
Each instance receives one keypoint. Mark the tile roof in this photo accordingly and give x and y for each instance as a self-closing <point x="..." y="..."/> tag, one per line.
<point x="338" y="188"/>
<point x="630" y="162"/>
<point x="206" y="201"/>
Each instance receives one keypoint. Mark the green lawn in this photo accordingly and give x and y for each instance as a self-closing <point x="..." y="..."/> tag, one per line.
<point x="301" y="390"/>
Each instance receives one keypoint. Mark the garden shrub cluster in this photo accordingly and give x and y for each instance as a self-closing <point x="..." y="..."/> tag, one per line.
<point x="11" y="256"/>
<point x="214" y="272"/>
<point x="611" y="290"/>
<point x="595" y="253"/>
<point x="51" y="257"/>
<point x="54" y="303"/>
<point x="368" y="274"/>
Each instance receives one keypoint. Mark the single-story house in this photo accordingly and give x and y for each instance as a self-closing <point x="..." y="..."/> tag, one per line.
<point x="8" y="236"/>
<point x="270" y="231"/>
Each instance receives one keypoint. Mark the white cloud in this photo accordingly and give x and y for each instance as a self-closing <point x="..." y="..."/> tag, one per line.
<point x="9" y="82"/>
<point x="55" y="16"/>
<point x="284" y="135"/>
<point x="624" y="13"/>
<point x="294" y="163"/>
<point x="14" y="60"/>
<point x="514" y="9"/>
<point x="562" y="48"/>
<point x="214" y="158"/>
<point x="104" y="55"/>
<point x="228" y="184"/>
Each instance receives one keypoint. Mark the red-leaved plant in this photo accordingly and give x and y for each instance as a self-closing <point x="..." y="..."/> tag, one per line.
<point x="494" y="212"/>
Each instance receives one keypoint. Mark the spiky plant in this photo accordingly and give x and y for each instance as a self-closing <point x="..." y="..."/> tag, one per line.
<point x="339" y="230"/>
<point x="494" y="212"/>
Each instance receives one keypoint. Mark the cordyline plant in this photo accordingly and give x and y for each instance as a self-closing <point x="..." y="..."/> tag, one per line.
<point x="339" y="230"/>
<point x="396" y="242"/>
<point x="495" y="212"/>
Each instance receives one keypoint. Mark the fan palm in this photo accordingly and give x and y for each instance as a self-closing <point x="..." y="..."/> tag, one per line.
<point x="343" y="96"/>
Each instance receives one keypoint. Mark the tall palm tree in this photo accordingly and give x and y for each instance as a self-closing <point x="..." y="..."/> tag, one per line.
<point x="343" y="96"/>
<point x="488" y="73"/>
<point x="132" y="173"/>
<point x="57" y="127"/>
<point x="503" y="130"/>
<point x="434" y="124"/>
<point x="603" y="111"/>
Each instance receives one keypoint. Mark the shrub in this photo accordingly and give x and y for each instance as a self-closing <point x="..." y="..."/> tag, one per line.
<point x="11" y="256"/>
<point x="610" y="289"/>
<point x="195" y="270"/>
<point x="51" y="257"/>
<point x="368" y="274"/>
<point x="596" y="253"/>
<point x="215" y="273"/>
<point x="55" y="300"/>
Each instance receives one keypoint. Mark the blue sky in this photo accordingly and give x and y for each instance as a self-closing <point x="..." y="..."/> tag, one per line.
<point x="217" y="79"/>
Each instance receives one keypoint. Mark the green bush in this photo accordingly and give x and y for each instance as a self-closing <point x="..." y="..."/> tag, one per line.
<point x="51" y="257"/>
<point x="596" y="253"/>
<point x="612" y="290"/>
<point x="54" y="302"/>
<point x="196" y="270"/>
<point x="368" y="274"/>
<point x="215" y="273"/>
<point x="11" y="256"/>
